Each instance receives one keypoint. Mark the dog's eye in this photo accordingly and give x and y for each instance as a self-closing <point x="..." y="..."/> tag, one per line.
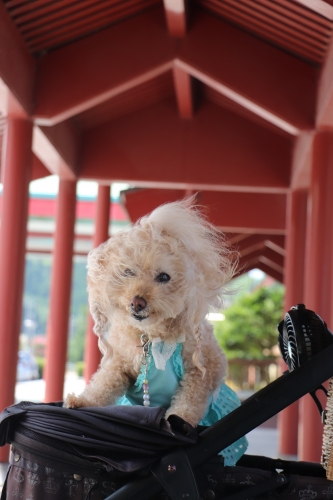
<point x="162" y="278"/>
<point x="128" y="272"/>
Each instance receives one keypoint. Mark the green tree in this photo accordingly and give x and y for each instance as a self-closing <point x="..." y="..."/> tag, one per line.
<point x="249" y="329"/>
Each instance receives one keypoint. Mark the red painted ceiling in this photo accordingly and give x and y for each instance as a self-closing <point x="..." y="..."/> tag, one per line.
<point x="220" y="97"/>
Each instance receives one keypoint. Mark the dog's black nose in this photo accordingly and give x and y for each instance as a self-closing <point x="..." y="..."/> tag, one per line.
<point x="138" y="304"/>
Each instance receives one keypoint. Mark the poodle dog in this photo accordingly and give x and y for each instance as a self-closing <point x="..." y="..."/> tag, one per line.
<point x="150" y="289"/>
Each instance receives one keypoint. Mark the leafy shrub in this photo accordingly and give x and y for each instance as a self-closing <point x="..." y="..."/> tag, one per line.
<point x="41" y="364"/>
<point x="79" y="368"/>
<point x="249" y="329"/>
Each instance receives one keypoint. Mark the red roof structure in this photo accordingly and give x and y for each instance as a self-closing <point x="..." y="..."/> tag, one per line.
<point x="230" y="99"/>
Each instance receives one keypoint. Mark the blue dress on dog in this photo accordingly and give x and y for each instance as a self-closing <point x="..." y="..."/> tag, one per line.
<point x="163" y="383"/>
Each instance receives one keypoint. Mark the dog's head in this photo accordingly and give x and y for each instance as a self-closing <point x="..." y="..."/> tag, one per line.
<point x="169" y="269"/>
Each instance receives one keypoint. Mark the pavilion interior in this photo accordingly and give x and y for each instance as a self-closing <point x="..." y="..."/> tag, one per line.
<point x="231" y="100"/>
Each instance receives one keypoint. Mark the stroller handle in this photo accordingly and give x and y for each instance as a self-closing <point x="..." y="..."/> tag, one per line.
<point x="254" y="411"/>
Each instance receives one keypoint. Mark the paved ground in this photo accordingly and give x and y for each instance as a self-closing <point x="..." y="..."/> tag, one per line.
<point x="34" y="390"/>
<point x="262" y="441"/>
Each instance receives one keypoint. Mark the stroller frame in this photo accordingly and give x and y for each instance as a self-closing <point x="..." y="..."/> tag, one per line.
<point x="254" y="411"/>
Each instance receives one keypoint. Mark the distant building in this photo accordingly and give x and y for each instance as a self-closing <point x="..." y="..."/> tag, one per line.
<point x="41" y="224"/>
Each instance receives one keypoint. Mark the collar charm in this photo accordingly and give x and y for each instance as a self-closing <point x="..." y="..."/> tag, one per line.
<point x="145" y="360"/>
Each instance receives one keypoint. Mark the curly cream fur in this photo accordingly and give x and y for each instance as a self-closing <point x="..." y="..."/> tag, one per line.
<point x="177" y="240"/>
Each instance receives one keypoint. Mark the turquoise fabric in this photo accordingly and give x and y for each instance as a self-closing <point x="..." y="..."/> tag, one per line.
<point x="163" y="385"/>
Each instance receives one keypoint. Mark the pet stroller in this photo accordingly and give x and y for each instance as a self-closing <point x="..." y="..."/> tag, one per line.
<point x="124" y="453"/>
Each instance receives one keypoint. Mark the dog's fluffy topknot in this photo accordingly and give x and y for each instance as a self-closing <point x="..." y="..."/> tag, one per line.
<point x="214" y="263"/>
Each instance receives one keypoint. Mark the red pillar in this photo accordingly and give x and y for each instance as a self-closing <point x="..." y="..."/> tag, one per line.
<point x="57" y="334"/>
<point x="102" y="216"/>
<point x="17" y="164"/>
<point x="294" y="283"/>
<point x="318" y="275"/>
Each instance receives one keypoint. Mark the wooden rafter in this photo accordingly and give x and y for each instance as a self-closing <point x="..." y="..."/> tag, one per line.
<point x="175" y="13"/>
<point x="184" y="92"/>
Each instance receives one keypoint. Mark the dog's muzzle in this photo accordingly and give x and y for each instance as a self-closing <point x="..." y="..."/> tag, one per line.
<point x="138" y="308"/>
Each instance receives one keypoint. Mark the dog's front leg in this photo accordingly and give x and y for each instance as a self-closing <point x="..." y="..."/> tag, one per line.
<point x="191" y="399"/>
<point x="105" y="387"/>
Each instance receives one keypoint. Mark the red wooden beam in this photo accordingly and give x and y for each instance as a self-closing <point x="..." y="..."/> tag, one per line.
<point x="273" y="273"/>
<point x="152" y="147"/>
<point x="175" y="13"/>
<point x="85" y="73"/>
<point x="49" y="252"/>
<point x="85" y="209"/>
<point x="251" y="243"/>
<point x="256" y="264"/>
<point x="47" y="234"/>
<point x="140" y="202"/>
<point x="274" y="263"/>
<point x="58" y="148"/>
<point x="17" y="66"/>
<point x="276" y="243"/>
<point x="301" y="163"/>
<point x="31" y="250"/>
<point x="184" y="94"/>
<point x="283" y="92"/>
<point x="324" y="114"/>
<point x="90" y="71"/>
<point x="9" y="104"/>
<point x="261" y="241"/>
<point x="266" y="256"/>
<point x="246" y="212"/>
<point x="246" y="106"/>
<point x="38" y="169"/>
<point x="235" y="238"/>
<point x="319" y="7"/>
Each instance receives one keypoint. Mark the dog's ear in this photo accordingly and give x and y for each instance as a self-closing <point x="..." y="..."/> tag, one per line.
<point x="96" y="290"/>
<point x="100" y="320"/>
<point x="96" y="280"/>
<point x="100" y="327"/>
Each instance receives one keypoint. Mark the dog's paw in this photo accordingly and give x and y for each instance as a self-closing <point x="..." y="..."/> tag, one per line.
<point x="73" y="401"/>
<point x="178" y="424"/>
<point x="186" y="417"/>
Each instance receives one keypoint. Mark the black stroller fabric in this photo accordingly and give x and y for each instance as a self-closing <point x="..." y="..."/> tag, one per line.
<point x="260" y="481"/>
<point x="35" y="477"/>
<point x="89" y="453"/>
<point x="128" y="438"/>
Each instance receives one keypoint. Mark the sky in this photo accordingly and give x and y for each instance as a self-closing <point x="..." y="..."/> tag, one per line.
<point x="256" y="274"/>
<point x="49" y="186"/>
